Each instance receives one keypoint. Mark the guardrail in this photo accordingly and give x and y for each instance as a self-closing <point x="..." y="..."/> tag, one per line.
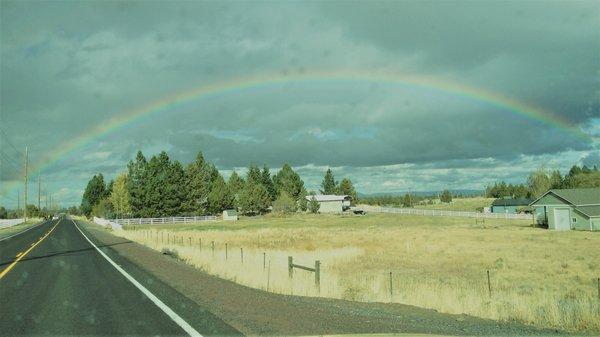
<point x="160" y="221"/>
<point x="10" y="222"/>
<point x="433" y="212"/>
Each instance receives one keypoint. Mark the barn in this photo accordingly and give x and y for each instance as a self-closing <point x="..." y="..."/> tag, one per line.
<point x="566" y="209"/>
<point x="330" y="203"/>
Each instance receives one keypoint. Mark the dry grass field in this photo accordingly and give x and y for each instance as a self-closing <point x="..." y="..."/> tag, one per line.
<point x="539" y="277"/>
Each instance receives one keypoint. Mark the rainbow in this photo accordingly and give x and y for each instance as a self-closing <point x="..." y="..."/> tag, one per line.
<point x="168" y="103"/>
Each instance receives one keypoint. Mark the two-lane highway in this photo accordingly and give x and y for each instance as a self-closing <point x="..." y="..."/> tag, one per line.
<point x="54" y="280"/>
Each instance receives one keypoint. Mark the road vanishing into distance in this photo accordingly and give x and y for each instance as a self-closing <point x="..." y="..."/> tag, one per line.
<point x="56" y="279"/>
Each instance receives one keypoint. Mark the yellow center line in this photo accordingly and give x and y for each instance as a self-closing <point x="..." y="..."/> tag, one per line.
<point x="20" y="256"/>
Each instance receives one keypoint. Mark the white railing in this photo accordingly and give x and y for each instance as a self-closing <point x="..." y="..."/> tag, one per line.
<point x="10" y="222"/>
<point x="435" y="212"/>
<point x="160" y="221"/>
<point x="107" y="223"/>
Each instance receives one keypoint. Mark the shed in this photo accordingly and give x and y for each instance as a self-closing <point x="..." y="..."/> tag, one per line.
<point x="330" y="203"/>
<point x="230" y="214"/>
<point x="566" y="209"/>
<point x="509" y="205"/>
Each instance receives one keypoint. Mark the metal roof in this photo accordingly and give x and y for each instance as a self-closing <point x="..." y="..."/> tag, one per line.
<point x="591" y="211"/>
<point x="578" y="196"/>
<point x="328" y="197"/>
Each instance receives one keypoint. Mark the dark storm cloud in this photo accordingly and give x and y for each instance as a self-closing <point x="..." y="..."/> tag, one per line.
<point x="66" y="67"/>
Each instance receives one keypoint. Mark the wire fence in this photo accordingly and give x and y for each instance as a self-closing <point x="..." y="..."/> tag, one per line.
<point x="160" y="221"/>
<point x="433" y="212"/>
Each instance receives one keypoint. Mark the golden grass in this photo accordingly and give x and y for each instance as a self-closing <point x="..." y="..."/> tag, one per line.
<point x="538" y="277"/>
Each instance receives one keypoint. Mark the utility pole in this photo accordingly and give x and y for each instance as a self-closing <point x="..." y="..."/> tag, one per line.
<point x="26" y="182"/>
<point x="40" y="192"/>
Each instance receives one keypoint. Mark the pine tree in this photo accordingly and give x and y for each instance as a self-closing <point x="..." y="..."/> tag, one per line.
<point x="235" y="182"/>
<point x="253" y="175"/>
<point x="288" y="181"/>
<point x="329" y="185"/>
<point x="136" y="184"/>
<point x="446" y="196"/>
<point x="94" y="192"/>
<point x="175" y="190"/>
<point x="346" y="188"/>
<point x="268" y="182"/>
<point x="200" y="176"/>
<point x="236" y="185"/>
<point x="220" y="197"/>
<point x="313" y="205"/>
<point x="254" y="199"/>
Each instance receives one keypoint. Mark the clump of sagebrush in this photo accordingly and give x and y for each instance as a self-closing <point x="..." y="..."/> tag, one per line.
<point x="170" y="252"/>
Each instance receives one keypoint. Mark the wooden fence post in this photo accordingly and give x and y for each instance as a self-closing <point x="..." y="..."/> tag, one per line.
<point x="264" y="260"/>
<point x="226" y="252"/>
<point x="269" y="275"/>
<point x="290" y="266"/>
<point x="189" y="237"/>
<point x="318" y="276"/>
<point x="200" y="243"/>
<point x="212" y="244"/>
<point x="598" y="288"/>
<point x="489" y="284"/>
<point x="391" y="288"/>
<point x="242" y="254"/>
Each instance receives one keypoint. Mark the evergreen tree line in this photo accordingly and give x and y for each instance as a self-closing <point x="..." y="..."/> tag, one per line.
<point x="159" y="187"/>
<point x="541" y="180"/>
<point x="407" y="200"/>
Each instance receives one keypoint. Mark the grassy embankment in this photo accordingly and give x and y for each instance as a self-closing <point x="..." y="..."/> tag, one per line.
<point x="4" y="232"/>
<point x="537" y="276"/>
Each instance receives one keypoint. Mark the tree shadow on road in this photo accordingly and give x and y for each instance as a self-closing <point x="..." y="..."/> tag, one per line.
<point x="65" y="252"/>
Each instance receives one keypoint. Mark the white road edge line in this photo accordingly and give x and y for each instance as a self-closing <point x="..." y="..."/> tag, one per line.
<point x="23" y="231"/>
<point x="176" y="318"/>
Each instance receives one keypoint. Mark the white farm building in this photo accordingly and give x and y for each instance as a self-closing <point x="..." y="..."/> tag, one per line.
<point x="330" y="203"/>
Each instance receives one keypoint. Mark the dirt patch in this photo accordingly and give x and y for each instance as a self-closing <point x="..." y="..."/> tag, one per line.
<point x="256" y="312"/>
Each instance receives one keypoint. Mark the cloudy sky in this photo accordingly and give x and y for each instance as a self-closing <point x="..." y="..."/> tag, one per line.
<point x="69" y="69"/>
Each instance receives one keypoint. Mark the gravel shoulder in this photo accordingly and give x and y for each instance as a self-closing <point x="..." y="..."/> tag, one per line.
<point x="258" y="313"/>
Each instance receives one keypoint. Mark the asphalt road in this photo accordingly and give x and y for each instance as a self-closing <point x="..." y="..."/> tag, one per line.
<point x="53" y="281"/>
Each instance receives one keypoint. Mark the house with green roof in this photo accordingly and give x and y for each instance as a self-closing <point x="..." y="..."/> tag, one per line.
<point x="509" y="205"/>
<point x="566" y="209"/>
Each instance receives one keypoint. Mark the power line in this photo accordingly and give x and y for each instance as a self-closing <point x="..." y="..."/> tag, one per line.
<point x="7" y="139"/>
<point x="10" y="156"/>
<point x="10" y="161"/>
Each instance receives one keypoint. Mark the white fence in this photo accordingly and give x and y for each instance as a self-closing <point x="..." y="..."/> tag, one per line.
<point x="159" y="221"/>
<point x="435" y="212"/>
<point x="107" y="223"/>
<point x="10" y="222"/>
